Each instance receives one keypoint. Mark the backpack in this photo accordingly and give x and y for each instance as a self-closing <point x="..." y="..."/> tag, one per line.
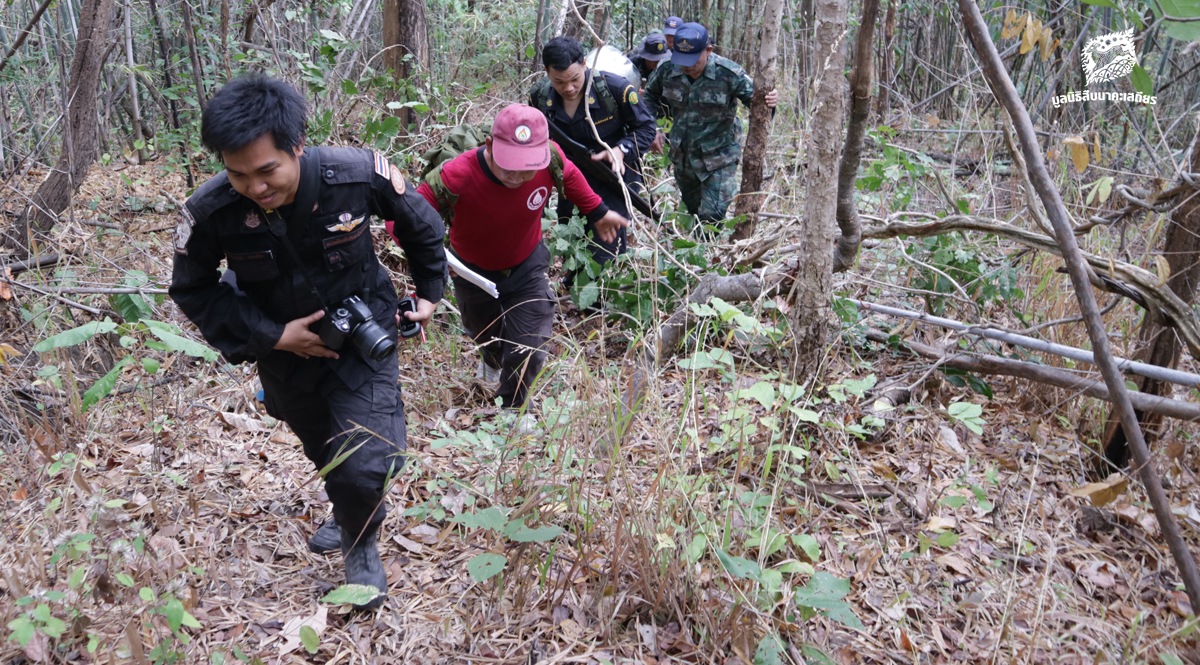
<point x="463" y="138"/>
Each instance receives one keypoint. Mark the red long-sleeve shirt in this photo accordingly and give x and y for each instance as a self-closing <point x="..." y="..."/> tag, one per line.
<point x="494" y="227"/>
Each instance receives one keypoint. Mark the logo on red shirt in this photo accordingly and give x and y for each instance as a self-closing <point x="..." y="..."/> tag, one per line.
<point x="537" y="198"/>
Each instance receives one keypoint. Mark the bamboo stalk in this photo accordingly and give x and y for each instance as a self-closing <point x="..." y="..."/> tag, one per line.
<point x="37" y="15"/>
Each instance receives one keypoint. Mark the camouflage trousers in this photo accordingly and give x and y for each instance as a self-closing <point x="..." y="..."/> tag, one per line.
<point x="707" y="194"/>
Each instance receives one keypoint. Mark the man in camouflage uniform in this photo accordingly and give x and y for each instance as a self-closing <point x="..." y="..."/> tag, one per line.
<point x="699" y="90"/>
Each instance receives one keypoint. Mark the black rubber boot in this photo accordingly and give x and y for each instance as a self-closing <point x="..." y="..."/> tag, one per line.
<point x="327" y="539"/>
<point x="363" y="566"/>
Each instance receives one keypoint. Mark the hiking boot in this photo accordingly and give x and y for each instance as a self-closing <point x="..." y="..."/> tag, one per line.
<point x="363" y="566"/>
<point x="487" y="373"/>
<point x="327" y="539"/>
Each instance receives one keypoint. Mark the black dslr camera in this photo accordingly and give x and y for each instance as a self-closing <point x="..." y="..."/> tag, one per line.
<point x="353" y="319"/>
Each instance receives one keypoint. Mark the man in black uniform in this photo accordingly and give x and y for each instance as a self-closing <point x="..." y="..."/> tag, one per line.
<point x="620" y="116"/>
<point x="290" y="262"/>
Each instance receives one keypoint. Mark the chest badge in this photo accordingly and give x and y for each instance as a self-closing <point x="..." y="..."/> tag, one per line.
<point x="537" y="198"/>
<point x="346" y="222"/>
<point x="253" y="220"/>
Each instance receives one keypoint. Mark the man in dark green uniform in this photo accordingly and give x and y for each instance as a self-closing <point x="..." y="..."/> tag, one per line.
<point x="699" y="90"/>
<point x="293" y="225"/>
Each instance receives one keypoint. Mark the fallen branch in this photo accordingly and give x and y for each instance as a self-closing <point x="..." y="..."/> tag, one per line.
<point x="1058" y="378"/>
<point x="29" y="264"/>
<point x="1132" y="366"/>
<point x="1107" y="274"/>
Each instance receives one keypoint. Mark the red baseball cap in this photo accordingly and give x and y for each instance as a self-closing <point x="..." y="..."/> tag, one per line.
<point x="521" y="139"/>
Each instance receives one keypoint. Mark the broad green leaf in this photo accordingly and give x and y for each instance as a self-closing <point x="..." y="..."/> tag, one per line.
<point x="1188" y="32"/>
<point x="814" y="655"/>
<point x="488" y="518"/>
<point x="695" y="549"/>
<point x="177" y="343"/>
<point x="76" y="335"/>
<point x="770" y="579"/>
<point x="954" y="501"/>
<point x="131" y="306"/>
<point x="588" y="295"/>
<point x="76" y="577"/>
<point x="150" y="365"/>
<point x="790" y="392"/>
<point x="793" y="567"/>
<point x="810" y="546"/>
<point x="964" y="410"/>
<point x="100" y="389"/>
<point x="1141" y="80"/>
<point x="824" y="593"/>
<point x="762" y="392"/>
<point x="485" y="566"/>
<point x="738" y="566"/>
<point x="947" y="539"/>
<point x="174" y="612"/>
<point x="807" y="416"/>
<point x="769" y="651"/>
<point x="310" y="639"/>
<point x="22" y="630"/>
<point x="1170" y="659"/>
<point x="354" y="594"/>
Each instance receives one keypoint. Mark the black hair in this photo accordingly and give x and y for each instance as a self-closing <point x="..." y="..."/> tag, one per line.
<point x="562" y="52"/>
<point x="250" y="106"/>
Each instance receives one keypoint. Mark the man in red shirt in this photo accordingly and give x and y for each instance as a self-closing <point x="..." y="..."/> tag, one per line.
<point x="494" y="196"/>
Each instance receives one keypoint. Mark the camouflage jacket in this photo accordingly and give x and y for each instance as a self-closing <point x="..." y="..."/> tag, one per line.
<point x="706" y="130"/>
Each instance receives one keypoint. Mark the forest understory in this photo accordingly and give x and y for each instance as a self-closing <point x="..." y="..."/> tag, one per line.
<point x="894" y="501"/>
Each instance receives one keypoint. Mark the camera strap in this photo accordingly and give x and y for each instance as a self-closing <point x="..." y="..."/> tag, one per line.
<point x="306" y="199"/>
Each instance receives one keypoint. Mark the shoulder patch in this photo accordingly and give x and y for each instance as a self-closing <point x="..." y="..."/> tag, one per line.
<point x="381" y="165"/>
<point x="398" y="182"/>
<point x="183" y="229"/>
<point x="632" y="98"/>
<point x="630" y="90"/>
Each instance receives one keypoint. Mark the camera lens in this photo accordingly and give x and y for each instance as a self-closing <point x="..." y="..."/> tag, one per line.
<point x="372" y="340"/>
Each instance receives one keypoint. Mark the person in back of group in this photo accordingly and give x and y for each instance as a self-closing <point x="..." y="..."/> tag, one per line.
<point x="646" y="57"/>
<point x="699" y="90"/>
<point x="670" y="27"/>
<point x="293" y="225"/>
<point x="620" y="117"/>
<point x="493" y="199"/>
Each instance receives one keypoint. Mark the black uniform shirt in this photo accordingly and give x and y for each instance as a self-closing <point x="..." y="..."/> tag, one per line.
<point x="335" y="246"/>
<point x="631" y="124"/>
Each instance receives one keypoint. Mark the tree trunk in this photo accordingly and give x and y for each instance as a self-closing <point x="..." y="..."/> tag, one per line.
<point x="1181" y="247"/>
<point x="573" y="26"/>
<point x="749" y="198"/>
<point x="860" y="109"/>
<point x="814" y="276"/>
<point x="197" y="68"/>
<point x="536" y="64"/>
<point x="79" y="140"/>
<point x="406" y="33"/>
<point x="885" y="61"/>
<point x="135" y="111"/>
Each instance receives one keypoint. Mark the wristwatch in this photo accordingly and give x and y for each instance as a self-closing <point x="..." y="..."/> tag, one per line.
<point x="624" y="148"/>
